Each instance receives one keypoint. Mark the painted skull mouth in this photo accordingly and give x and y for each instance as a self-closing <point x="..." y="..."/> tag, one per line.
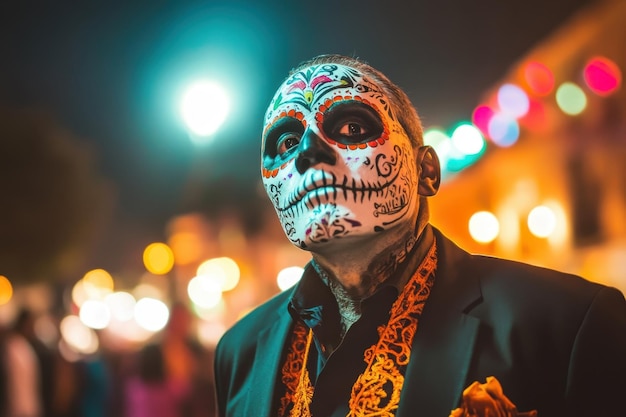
<point x="326" y="187"/>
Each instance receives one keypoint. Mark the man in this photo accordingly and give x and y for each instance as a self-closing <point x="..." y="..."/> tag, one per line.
<point x="391" y="317"/>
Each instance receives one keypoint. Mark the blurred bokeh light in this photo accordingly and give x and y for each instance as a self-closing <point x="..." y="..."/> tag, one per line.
<point x="122" y="305"/>
<point x="513" y="101"/>
<point x="288" y="277"/>
<point x="6" y="290"/>
<point x="484" y="227"/>
<point x="204" y="291"/>
<point x="467" y="139"/>
<point x="539" y="78"/>
<point x="571" y="99"/>
<point x="158" y="258"/>
<point x="481" y="116"/>
<point x="223" y="270"/>
<point x="542" y="221"/>
<point x="97" y="283"/>
<point x="204" y="107"/>
<point x="503" y="130"/>
<point x="78" y="337"/>
<point x="602" y="75"/>
<point x="95" y="314"/>
<point x="151" y="314"/>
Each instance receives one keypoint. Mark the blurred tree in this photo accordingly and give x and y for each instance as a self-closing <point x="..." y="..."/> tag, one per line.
<point x="53" y="202"/>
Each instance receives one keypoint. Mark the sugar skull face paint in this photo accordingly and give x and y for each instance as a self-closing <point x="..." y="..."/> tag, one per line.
<point x="335" y="161"/>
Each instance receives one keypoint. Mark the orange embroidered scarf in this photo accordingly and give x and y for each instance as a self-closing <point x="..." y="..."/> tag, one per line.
<point x="386" y="360"/>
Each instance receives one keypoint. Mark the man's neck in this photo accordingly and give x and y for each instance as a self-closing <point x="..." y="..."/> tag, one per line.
<point x="361" y="268"/>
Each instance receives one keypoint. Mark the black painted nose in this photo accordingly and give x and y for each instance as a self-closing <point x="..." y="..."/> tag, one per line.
<point x="313" y="150"/>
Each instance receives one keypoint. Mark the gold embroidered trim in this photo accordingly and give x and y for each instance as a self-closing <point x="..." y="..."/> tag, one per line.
<point x="387" y="359"/>
<point x="295" y="374"/>
<point x="376" y="391"/>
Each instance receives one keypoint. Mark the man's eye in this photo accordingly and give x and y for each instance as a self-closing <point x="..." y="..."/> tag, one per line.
<point x="351" y="122"/>
<point x="287" y="141"/>
<point x="281" y="137"/>
<point x="352" y="129"/>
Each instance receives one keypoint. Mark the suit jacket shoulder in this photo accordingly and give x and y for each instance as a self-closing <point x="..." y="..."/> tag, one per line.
<point x="247" y="357"/>
<point x="553" y="339"/>
<point x="240" y="340"/>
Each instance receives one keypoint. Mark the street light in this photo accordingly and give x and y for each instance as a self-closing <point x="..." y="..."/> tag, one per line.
<point x="204" y="107"/>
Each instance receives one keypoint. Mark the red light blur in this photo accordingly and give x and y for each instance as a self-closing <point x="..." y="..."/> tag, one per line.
<point x="536" y="118"/>
<point x="539" y="77"/>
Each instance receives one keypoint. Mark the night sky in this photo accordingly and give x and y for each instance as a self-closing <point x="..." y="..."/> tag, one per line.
<point x="112" y="73"/>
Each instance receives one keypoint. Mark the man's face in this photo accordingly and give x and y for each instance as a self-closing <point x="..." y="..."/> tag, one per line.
<point x="335" y="161"/>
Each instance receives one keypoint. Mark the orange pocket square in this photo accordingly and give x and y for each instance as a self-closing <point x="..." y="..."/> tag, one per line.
<point x="487" y="400"/>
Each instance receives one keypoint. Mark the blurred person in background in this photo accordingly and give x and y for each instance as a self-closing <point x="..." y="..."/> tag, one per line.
<point x="152" y="391"/>
<point x="25" y="365"/>
<point x="94" y="390"/>
<point x="186" y="360"/>
<point x="390" y="316"/>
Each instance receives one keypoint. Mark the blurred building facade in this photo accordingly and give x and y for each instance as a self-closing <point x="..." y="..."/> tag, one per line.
<point x="572" y="164"/>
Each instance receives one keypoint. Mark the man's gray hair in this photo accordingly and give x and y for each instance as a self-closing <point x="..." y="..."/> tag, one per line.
<point x="400" y="102"/>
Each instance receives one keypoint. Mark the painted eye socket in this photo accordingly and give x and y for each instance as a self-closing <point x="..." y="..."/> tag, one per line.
<point x="351" y="122"/>
<point x="287" y="141"/>
<point x="282" y="136"/>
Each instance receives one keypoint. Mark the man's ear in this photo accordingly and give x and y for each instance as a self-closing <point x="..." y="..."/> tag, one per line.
<point x="429" y="171"/>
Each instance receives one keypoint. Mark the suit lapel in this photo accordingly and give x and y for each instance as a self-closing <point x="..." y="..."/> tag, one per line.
<point x="267" y="365"/>
<point x="436" y="375"/>
<point x="444" y="342"/>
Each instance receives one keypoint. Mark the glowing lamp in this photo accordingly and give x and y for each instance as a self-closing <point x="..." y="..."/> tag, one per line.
<point x="204" y="107"/>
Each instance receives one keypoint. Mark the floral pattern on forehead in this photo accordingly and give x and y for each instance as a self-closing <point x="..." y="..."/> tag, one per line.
<point x="308" y="87"/>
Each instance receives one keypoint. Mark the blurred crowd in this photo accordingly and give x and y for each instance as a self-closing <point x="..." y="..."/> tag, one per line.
<point x="171" y="375"/>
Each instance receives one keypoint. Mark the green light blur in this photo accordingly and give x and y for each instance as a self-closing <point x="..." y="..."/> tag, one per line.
<point x="571" y="99"/>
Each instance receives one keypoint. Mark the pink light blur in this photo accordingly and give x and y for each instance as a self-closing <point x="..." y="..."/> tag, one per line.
<point x="602" y="75"/>
<point x="481" y="117"/>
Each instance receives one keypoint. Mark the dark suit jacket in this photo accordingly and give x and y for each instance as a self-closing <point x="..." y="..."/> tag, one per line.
<point x="556" y="343"/>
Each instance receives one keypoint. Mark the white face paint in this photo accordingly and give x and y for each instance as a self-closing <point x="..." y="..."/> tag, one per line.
<point x="335" y="161"/>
